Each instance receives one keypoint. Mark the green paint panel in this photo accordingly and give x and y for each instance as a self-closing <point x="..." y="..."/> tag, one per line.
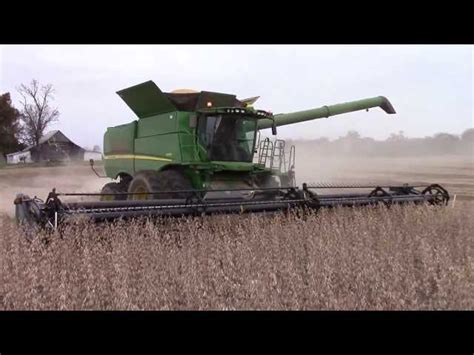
<point x="149" y="165"/>
<point x="159" y="124"/>
<point x="187" y="138"/>
<point x="163" y="146"/>
<point x="119" y="139"/>
<point x="183" y="122"/>
<point x="114" y="167"/>
<point x="188" y="147"/>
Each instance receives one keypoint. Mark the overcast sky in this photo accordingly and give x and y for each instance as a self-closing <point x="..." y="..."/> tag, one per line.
<point x="431" y="87"/>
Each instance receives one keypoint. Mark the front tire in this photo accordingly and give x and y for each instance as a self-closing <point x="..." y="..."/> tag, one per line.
<point x="113" y="188"/>
<point x="150" y="181"/>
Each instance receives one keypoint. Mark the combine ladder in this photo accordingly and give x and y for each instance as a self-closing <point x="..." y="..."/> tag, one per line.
<point x="265" y="152"/>
<point x="277" y="162"/>
<point x="291" y="165"/>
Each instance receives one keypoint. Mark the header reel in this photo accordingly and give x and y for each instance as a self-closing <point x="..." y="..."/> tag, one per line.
<point x="54" y="211"/>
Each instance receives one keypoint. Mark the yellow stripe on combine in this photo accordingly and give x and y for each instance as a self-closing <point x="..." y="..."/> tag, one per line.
<point x="140" y="157"/>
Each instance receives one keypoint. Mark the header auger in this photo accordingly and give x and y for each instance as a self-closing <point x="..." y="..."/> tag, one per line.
<point x="195" y="152"/>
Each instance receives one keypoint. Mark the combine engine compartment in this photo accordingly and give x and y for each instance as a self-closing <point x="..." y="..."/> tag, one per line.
<point x="53" y="211"/>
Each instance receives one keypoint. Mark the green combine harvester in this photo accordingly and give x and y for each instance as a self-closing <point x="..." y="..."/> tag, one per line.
<point x="194" y="153"/>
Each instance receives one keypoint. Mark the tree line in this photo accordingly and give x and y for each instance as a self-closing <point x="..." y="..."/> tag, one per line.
<point x="397" y="144"/>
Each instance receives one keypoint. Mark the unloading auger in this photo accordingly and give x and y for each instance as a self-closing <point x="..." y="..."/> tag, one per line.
<point x="197" y="153"/>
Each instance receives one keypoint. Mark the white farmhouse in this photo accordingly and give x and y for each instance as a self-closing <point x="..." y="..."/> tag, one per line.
<point x="19" y="157"/>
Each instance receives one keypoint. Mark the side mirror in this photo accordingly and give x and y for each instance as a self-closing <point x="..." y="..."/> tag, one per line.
<point x="274" y="129"/>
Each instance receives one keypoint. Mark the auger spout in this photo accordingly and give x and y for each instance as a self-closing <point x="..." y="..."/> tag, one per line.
<point x="327" y="111"/>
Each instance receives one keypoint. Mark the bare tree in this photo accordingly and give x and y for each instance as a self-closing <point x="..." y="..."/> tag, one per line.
<point x="36" y="112"/>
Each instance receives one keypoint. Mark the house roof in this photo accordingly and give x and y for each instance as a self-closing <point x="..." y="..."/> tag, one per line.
<point x="56" y="134"/>
<point x="49" y="135"/>
<point x="17" y="153"/>
<point x="44" y="139"/>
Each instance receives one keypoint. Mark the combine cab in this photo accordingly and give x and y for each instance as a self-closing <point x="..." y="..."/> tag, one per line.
<point x="195" y="152"/>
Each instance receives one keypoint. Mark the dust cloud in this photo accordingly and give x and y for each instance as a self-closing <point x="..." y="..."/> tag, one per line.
<point x="39" y="181"/>
<point x="454" y="172"/>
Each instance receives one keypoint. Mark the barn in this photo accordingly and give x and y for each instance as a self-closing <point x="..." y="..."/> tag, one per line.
<point x="53" y="146"/>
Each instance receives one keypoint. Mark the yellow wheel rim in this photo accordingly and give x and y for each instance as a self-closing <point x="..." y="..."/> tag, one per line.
<point x="140" y="190"/>
<point x="107" y="198"/>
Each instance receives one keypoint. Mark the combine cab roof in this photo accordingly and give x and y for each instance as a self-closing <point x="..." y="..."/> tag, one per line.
<point x="147" y="100"/>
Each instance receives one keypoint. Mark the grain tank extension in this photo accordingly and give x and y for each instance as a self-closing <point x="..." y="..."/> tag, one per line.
<point x="190" y="152"/>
